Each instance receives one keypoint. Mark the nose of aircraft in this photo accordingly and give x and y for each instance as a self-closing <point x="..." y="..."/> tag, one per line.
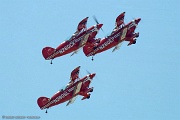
<point x="138" y="20"/>
<point x="99" y="26"/>
<point x="92" y="75"/>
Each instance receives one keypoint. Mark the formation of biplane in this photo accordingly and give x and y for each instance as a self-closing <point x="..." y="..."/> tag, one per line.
<point x="85" y="38"/>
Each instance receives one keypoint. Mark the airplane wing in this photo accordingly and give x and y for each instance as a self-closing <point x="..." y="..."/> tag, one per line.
<point x="120" y="19"/>
<point x="83" y="41"/>
<point x="75" y="74"/>
<point x="71" y="101"/>
<point x="82" y="24"/>
<point x="75" y="52"/>
<point x="74" y="96"/>
<point x="81" y="44"/>
<point x="117" y="46"/>
<point x="121" y="39"/>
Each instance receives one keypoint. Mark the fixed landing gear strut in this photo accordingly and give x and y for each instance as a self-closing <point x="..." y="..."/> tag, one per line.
<point x="51" y="61"/>
<point x="92" y="58"/>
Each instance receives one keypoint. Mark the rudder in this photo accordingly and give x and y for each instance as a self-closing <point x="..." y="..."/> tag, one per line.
<point x="87" y="50"/>
<point x="47" y="51"/>
<point x="42" y="101"/>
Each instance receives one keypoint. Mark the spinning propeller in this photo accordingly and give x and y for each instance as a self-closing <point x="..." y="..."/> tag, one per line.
<point x="95" y="19"/>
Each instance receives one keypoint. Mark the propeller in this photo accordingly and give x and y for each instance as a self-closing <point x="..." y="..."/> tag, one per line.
<point x="91" y="73"/>
<point x="95" y="19"/>
<point x="88" y="72"/>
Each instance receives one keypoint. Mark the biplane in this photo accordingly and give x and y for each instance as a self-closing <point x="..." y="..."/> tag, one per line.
<point x="76" y="86"/>
<point x="122" y="32"/>
<point x="74" y="43"/>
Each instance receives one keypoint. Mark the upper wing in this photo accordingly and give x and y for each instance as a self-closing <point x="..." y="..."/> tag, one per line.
<point x="75" y="74"/>
<point x="82" y="24"/>
<point x="121" y="39"/>
<point x="120" y="19"/>
<point x="75" y="92"/>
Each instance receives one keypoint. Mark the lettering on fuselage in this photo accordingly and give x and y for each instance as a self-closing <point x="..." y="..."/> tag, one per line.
<point x="109" y="41"/>
<point x="59" y="97"/>
<point x="72" y="43"/>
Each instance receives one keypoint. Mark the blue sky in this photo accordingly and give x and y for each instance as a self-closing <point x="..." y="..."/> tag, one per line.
<point x="138" y="82"/>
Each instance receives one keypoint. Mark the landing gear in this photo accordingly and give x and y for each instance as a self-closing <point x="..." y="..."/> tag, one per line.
<point x="134" y="42"/>
<point x="88" y="96"/>
<point x="92" y="58"/>
<point x="46" y="111"/>
<point x="91" y="89"/>
<point x="137" y="34"/>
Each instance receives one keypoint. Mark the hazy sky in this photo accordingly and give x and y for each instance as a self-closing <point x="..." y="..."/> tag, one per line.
<point x="137" y="82"/>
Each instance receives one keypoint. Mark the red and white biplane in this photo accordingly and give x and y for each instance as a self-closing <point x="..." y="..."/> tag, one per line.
<point x="75" y="87"/>
<point x="76" y="41"/>
<point x="122" y="32"/>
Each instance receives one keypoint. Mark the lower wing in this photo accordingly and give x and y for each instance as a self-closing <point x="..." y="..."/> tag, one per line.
<point x="76" y="90"/>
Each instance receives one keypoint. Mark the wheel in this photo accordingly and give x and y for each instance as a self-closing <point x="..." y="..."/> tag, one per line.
<point x="134" y="42"/>
<point x="91" y="90"/>
<point x="88" y="96"/>
<point x="137" y="35"/>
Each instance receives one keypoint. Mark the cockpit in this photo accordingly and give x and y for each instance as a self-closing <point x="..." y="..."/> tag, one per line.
<point x="62" y="88"/>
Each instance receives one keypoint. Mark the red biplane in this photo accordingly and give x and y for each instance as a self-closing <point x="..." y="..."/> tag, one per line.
<point x="120" y="33"/>
<point x="77" y="40"/>
<point x="75" y="87"/>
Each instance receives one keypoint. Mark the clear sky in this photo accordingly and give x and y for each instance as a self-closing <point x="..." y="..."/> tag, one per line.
<point x="137" y="82"/>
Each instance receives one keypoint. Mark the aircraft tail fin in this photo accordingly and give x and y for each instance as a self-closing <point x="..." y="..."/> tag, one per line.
<point x="47" y="51"/>
<point x="87" y="50"/>
<point x="42" y="101"/>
